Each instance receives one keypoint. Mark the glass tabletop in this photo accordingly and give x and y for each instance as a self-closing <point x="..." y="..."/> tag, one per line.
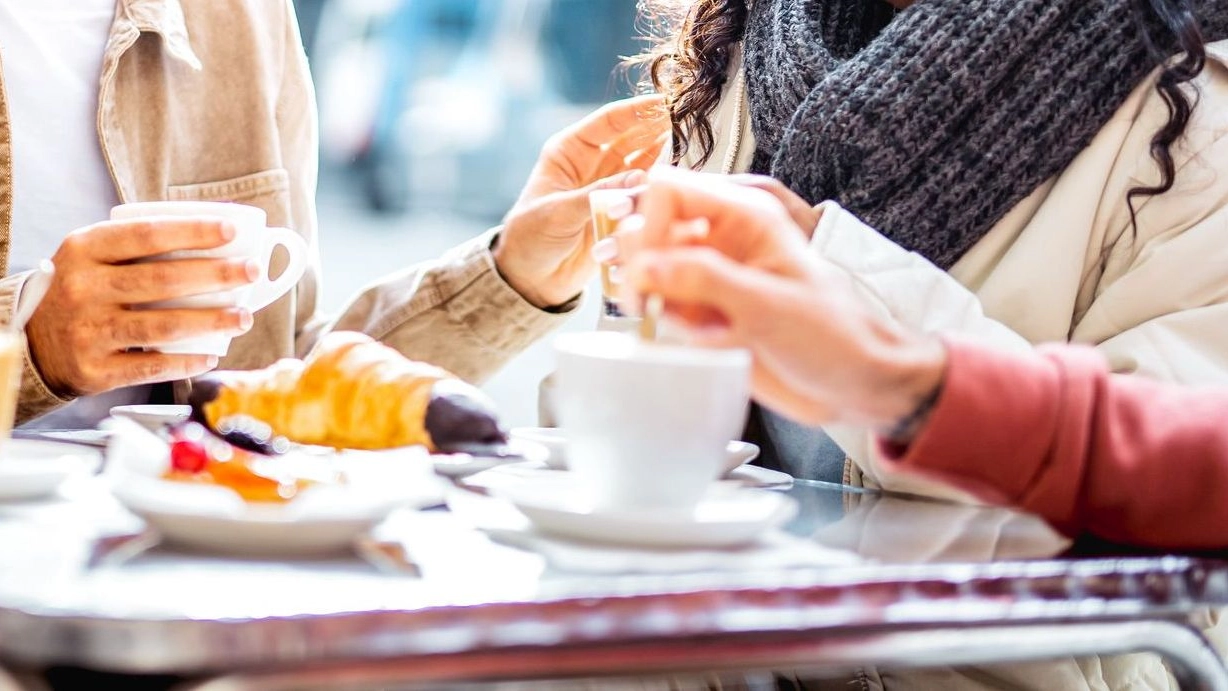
<point x="852" y="562"/>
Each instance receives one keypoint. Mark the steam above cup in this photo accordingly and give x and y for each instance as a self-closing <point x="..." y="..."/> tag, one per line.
<point x="252" y="241"/>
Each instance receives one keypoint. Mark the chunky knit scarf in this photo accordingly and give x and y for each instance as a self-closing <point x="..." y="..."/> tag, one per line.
<point x="932" y="124"/>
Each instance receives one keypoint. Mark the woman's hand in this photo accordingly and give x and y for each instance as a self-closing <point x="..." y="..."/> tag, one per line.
<point x="85" y="337"/>
<point x="734" y="270"/>
<point x="803" y="214"/>
<point x="543" y="251"/>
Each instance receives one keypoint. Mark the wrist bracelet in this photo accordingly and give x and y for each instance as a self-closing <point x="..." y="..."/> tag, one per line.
<point x="905" y="429"/>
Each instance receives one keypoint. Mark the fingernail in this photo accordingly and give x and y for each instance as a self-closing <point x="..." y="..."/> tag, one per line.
<point x="620" y="208"/>
<point x="605" y="250"/>
<point x="211" y="361"/>
<point x="251" y="269"/>
<point x="245" y="319"/>
<point x="695" y="229"/>
<point x="228" y="230"/>
<point x="631" y="224"/>
<point x="635" y="178"/>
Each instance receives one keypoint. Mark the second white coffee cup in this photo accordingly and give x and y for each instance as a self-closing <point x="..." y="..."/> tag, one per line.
<point x="253" y="240"/>
<point x="647" y="424"/>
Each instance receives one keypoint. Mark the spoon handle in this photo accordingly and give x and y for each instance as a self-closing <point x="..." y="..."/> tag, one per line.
<point x="654" y="306"/>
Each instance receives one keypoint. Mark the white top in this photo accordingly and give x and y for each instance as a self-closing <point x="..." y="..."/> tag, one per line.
<point x="52" y="53"/>
<point x="734" y="145"/>
<point x="52" y="56"/>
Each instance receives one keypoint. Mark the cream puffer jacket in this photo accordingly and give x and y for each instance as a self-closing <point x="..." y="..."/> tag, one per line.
<point x="1066" y="264"/>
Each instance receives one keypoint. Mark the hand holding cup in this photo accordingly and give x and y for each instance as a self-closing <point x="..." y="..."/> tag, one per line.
<point x="116" y="307"/>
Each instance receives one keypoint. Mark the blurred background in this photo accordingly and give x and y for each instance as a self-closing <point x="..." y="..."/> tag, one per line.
<point x="431" y="115"/>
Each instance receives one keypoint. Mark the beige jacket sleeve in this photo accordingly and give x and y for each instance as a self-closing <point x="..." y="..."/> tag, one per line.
<point x="34" y="397"/>
<point x="455" y="312"/>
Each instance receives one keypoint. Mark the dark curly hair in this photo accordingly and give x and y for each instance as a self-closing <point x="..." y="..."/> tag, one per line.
<point x="689" y="65"/>
<point x="1181" y="25"/>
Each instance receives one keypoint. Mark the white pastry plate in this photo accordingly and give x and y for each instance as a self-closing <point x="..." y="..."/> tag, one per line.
<point x="728" y="516"/>
<point x="323" y="519"/>
<point x="32" y="470"/>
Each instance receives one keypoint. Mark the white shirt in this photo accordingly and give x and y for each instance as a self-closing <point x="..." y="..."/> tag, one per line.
<point x="52" y="54"/>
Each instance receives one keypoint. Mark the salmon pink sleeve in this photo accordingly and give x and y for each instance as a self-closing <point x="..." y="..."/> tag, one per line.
<point x="1054" y="433"/>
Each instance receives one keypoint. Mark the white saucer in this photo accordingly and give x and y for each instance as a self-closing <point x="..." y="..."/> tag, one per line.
<point x="728" y="516"/>
<point x="737" y="453"/>
<point x="153" y="417"/>
<point x="758" y="476"/>
<point x="35" y="469"/>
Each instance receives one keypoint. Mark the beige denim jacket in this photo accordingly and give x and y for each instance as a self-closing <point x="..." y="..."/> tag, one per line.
<point x="212" y="100"/>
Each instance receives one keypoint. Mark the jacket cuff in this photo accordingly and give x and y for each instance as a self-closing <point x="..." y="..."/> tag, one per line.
<point x="34" y="397"/>
<point x="497" y="316"/>
<point x="996" y="461"/>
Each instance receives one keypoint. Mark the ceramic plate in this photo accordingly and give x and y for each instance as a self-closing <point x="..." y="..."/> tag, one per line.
<point x="323" y="519"/>
<point x="460" y="465"/>
<point x="737" y="453"/>
<point x="153" y="417"/>
<point x="763" y="478"/>
<point x="251" y="536"/>
<point x="728" y="516"/>
<point x="35" y="469"/>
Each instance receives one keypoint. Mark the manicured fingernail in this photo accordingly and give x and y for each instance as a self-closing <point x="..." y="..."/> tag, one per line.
<point x="605" y="250"/>
<point x="211" y="361"/>
<point x="251" y="269"/>
<point x="631" y="224"/>
<point x="245" y="319"/>
<point x="620" y="208"/>
<point x="694" y="229"/>
<point x="635" y="178"/>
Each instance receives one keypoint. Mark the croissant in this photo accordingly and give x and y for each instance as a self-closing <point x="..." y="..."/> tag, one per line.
<point x="353" y="393"/>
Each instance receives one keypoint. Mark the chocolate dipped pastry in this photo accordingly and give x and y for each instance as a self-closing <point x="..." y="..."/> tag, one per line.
<point x="353" y="393"/>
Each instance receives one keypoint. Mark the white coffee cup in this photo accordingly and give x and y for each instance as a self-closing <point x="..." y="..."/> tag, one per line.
<point x="647" y="424"/>
<point x="252" y="241"/>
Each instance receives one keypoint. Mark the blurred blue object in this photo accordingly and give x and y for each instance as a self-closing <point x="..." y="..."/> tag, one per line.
<point x="458" y="94"/>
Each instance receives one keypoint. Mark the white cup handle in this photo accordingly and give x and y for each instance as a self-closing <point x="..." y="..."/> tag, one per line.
<point x="265" y="292"/>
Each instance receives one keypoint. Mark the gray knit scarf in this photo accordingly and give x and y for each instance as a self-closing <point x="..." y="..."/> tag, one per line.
<point x="932" y="124"/>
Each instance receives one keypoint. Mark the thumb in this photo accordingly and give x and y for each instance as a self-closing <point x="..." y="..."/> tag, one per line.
<point x="566" y="213"/>
<point x="626" y="180"/>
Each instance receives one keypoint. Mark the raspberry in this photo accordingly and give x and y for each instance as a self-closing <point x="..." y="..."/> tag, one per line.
<point x="188" y="456"/>
<point x="188" y="451"/>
